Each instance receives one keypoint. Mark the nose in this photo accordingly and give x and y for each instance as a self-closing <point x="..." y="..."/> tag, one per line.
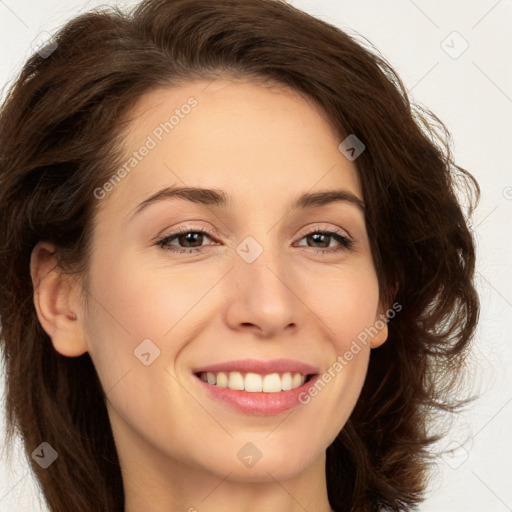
<point x="262" y="298"/>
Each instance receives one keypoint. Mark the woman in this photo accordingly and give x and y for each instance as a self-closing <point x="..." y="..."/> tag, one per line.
<point x="236" y="273"/>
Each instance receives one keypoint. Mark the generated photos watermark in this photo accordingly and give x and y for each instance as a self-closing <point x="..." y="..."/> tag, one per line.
<point x="343" y="360"/>
<point x="152" y="141"/>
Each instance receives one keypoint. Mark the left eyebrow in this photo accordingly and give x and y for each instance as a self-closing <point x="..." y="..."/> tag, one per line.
<point x="216" y="197"/>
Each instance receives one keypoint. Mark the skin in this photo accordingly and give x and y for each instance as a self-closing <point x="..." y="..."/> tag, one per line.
<point x="264" y="146"/>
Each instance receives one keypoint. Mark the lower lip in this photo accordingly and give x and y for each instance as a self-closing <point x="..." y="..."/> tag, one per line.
<point x="260" y="404"/>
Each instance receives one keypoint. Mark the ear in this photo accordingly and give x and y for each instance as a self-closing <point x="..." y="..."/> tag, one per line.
<point x="381" y="326"/>
<point x="57" y="302"/>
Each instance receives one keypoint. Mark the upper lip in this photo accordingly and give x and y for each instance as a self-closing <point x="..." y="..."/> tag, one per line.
<point x="261" y="367"/>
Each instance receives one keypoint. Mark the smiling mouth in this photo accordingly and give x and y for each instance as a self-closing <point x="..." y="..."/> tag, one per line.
<point x="254" y="382"/>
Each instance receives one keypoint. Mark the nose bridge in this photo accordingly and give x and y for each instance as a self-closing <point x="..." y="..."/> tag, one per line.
<point x="263" y="259"/>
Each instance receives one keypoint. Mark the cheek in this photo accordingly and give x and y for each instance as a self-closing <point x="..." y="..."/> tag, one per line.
<point x="347" y="302"/>
<point x="136" y="309"/>
<point x="134" y="301"/>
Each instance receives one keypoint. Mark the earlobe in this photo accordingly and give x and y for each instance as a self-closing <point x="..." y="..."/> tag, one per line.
<point x="56" y="300"/>
<point x="381" y="336"/>
<point x="381" y="327"/>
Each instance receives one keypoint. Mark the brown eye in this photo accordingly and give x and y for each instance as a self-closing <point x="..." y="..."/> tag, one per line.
<point x="324" y="239"/>
<point x="188" y="240"/>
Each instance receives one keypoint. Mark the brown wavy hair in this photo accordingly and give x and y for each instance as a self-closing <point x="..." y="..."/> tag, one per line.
<point x="60" y="126"/>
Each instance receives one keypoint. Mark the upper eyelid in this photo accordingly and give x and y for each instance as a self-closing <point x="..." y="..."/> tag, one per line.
<point x="328" y="229"/>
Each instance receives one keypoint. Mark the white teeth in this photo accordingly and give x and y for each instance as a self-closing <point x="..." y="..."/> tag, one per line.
<point x="286" y="381"/>
<point x="222" y="380"/>
<point x="253" y="382"/>
<point x="298" y="380"/>
<point x="272" y="383"/>
<point x="235" y="381"/>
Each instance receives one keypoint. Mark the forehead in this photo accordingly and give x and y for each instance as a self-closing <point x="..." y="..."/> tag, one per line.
<point x="255" y="141"/>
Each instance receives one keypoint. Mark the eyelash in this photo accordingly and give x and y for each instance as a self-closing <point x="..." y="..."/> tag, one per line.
<point x="339" y="236"/>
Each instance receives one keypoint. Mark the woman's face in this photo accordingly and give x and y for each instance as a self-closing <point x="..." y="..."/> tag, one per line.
<point x="257" y="287"/>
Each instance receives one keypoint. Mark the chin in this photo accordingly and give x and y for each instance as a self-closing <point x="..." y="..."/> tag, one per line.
<point x="251" y="464"/>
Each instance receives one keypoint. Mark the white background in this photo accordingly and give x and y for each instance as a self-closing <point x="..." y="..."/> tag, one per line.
<point x="472" y="94"/>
